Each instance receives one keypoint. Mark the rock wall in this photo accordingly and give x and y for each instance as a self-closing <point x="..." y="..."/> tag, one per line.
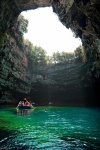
<point x="81" y="16"/>
<point x="14" y="78"/>
<point x="70" y="84"/>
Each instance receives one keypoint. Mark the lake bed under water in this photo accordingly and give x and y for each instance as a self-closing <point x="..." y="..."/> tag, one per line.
<point x="50" y="128"/>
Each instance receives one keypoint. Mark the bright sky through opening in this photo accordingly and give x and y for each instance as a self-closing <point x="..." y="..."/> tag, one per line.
<point x="45" y="30"/>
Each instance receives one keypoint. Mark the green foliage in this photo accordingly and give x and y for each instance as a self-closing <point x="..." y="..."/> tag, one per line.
<point x="22" y="24"/>
<point x="40" y="55"/>
<point x="19" y="28"/>
<point x="80" y="53"/>
<point x="36" y="55"/>
<point x="61" y="57"/>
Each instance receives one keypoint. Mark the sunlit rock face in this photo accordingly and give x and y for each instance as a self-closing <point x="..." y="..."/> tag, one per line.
<point x="83" y="18"/>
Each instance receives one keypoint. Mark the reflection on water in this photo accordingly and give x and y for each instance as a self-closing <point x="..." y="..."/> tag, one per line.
<point x="24" y="112"/>
<point x="50" y="128"/>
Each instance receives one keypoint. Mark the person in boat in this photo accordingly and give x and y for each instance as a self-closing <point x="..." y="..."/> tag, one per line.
<point x="21" y="103"/>
<point x="26" y="102"/>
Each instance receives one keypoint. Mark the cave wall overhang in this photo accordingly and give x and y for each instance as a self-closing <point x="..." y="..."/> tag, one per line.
<point x="81" y="16"/>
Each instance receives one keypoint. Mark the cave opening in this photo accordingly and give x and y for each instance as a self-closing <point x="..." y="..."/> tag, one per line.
<point x="46" y="30"/>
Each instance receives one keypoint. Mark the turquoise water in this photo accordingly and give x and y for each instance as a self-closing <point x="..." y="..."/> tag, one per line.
<point x="50" y="128"/>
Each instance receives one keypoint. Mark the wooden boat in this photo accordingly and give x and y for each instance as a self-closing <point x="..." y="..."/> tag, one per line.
<point x="25" y="107"/>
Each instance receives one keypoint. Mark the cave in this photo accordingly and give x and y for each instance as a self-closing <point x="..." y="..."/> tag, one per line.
<point x="83" y="18"/>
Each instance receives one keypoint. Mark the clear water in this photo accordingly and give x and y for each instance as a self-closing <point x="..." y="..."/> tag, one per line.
<point x="50" y="128"/>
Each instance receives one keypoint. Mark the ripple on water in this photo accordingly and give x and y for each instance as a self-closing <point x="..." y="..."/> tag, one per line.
<point x="51" y="129"/>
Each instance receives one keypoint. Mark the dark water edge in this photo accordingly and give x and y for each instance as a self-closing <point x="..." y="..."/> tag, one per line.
<point x="50" y="128"/>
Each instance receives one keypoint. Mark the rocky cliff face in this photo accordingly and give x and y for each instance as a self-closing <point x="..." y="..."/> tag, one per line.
<point x="65" y="84"/>
<point x="82" y="16"/>
<point x="14" y="79"/>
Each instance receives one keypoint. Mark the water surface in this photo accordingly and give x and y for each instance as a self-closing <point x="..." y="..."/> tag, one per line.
<point x="50" y="128"/>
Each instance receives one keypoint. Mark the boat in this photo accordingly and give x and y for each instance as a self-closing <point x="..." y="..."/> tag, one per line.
<point x="25" y="107"/>
<point x="24" y="111"/>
